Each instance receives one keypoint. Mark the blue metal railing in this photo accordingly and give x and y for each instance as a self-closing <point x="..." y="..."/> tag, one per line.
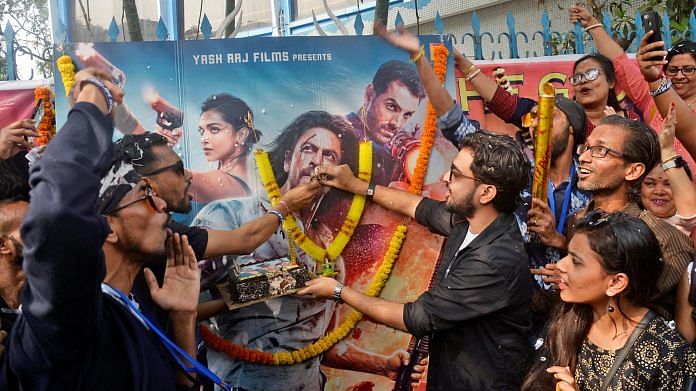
<point x="547" y="41"/>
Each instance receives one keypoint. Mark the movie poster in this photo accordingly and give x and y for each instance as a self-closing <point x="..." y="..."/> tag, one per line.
<point x="307" y="101"/>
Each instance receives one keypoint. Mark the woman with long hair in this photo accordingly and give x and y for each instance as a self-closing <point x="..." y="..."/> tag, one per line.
<point x="604" y="336"/>
<point x="680" y="69"/>
<point x="227" y="134"/>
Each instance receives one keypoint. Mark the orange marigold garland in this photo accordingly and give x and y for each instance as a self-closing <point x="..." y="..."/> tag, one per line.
<point x="440" y="54"/>
<point x="47" y="127"/>
<point x="236" y="352"/>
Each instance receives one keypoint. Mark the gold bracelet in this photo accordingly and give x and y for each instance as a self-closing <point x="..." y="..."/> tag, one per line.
<point x="419" y="55"/>
<point x="473" y="75"/>
<point x="468" y="71"/>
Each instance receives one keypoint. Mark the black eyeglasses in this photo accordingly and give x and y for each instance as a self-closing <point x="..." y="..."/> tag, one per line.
<point x="597" y="151"/>
<point x="686" y="71"/>
<point x="597" y="218"/>
<point x="149" y="196"/>
<point x="178" y="167"/>
<point x="456" y="175"/>
<point x="590" y="75"/>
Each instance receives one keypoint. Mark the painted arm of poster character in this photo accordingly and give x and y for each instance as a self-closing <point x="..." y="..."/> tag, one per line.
<point x="651" y="60"/>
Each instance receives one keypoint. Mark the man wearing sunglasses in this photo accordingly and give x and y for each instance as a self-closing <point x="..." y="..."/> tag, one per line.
<point x="477" y="313"/>
<point x="92" y="225"/>
<point x="155" y="160"/>
<point x="613" y="162"/>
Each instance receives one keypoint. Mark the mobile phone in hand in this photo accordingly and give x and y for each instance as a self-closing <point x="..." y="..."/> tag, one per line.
<point x="37" y="113"/>
<point x="651" y="22"/>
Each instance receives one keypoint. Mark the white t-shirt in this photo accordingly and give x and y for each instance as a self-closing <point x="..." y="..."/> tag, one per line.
<point x="470" y="236"/>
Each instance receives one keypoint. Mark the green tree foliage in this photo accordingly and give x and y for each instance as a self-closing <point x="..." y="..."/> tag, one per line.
<point x="30" y="21"/>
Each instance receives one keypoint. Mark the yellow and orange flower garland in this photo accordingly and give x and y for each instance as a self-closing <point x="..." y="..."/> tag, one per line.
<point x="236" y="352"/>
<point x="357" y="206"/>
<point x="47" y="127"/>
<point x="67" y="72"/>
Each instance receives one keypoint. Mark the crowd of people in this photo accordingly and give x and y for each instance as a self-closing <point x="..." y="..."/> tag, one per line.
<point x="589" y="289"/>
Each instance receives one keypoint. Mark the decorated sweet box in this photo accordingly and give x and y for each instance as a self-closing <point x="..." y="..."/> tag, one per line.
<point x="263" y="280"/>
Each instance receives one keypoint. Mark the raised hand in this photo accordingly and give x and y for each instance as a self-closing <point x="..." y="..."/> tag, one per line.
<point x="404" y="40"/>
<point x="668" y="134"/>
<point x="13" y="138"/>
<point x="580" y="14"/>
<point x="182" y="278"/>
<point x="651" y="58"/>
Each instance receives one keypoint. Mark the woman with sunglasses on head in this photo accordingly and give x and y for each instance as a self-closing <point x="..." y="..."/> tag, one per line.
<point x="680" y="69"/>
<point x="604" y="335"/>
<point x="227" y="135"/>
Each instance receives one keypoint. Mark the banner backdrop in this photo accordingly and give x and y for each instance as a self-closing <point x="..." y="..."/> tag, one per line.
<point x="17" y="100"/>
<point x="526" y="77"/>
<point x="279" y="82"/>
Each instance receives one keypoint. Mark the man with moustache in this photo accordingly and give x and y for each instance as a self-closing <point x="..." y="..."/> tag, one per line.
<point x="612" y="164"/>
<point x="92" y="225"/>
<point x="545" y="218"/>
<point x="155" y="160"/>
<point x="477" y="313"/>
<point x="389" y="102"/>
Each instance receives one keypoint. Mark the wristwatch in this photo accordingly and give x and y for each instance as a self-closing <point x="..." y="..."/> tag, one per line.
<point x="337" y="293"/>
<point x="370" y="190"/>
<point x="674" y="162"/>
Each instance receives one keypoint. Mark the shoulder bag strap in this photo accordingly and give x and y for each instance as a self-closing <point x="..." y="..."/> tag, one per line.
<point x="627" y="348"/>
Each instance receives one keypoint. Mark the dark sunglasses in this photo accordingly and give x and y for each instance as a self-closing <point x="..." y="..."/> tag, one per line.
<point x="178" y="167"/>
<point x="590" y="75"/>
<point x="149" y="197"/>
<point x="456" y="175"/>
<point x="597" y="151"/>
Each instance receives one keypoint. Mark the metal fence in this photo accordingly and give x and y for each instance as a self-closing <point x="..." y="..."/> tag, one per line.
<point x="549" y="42"/>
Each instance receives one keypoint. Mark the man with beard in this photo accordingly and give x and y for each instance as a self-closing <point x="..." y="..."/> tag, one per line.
<point x="477" y="313"/>
<point x="92" y="225"/>
<point x="612" y="164"/>
<point x="545" y="218"/>
<point x="155" y="160"/>
<point x="390" y="101"/>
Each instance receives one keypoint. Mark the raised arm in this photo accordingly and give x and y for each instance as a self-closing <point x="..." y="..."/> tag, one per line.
<point x="63" y="234"/>
<point x="437" y="94"/>
<point x="683" y="190"/>
<point x="603" y="41"/>
<point x="651" y="60"/>
<point x="628" y="76"/>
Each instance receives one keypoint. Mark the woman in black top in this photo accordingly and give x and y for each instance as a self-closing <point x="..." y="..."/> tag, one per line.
<point x="604" y="336"/>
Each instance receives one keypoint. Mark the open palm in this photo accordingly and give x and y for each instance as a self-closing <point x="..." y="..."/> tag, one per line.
<point x="182" y="278"/>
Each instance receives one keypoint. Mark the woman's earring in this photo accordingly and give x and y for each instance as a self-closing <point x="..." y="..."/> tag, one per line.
<point x="610" y="308"/>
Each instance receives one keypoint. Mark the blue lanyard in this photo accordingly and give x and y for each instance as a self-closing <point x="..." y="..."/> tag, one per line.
<point x="173" y="348"/>
<point x="560" y="222"/>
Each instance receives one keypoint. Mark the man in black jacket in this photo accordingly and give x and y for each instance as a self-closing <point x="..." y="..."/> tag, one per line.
<point x="477" y="314"/>
<point x="91" y="226"/>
